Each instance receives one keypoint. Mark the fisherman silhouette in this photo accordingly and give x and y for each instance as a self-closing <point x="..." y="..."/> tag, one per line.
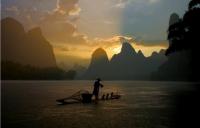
<point x="97" y="84"/>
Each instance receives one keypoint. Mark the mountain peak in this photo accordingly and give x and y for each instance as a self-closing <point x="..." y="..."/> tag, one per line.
<point x="99" y="56"/>
<point x="11" y="21"/>
<point x="98" y="53"/>
<point x="154" y="53"/>
<point x="98" y="65"/>
<point x="127" y="48"/>
<point x="12" y="26"/>
<point x="140" y="53"/>
<point x="162" y="51"/>
<point x="25" y="48"/>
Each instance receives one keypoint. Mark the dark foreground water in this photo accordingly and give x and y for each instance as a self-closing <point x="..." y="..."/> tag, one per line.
<point x="32" y="104"/>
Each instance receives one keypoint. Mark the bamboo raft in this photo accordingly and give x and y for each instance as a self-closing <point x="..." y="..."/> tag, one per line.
<point x="83" y="96"/>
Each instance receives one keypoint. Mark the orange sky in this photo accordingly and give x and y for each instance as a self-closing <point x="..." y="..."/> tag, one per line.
<point x="111" y="45"/>
<point x="75" y="28"/>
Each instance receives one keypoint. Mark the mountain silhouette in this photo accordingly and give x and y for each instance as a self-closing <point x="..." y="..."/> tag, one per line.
<point x="140" y="54"/>
<point x="126" y="65"/>
<point x="183" y="50"/>
<point x="27" y="48"/>
<point x="127" y="49"/>
<point x="98" y="65"/>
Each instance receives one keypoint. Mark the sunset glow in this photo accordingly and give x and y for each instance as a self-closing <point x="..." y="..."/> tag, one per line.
<point x="100" y="63"/>
<point x="75" y="28"/>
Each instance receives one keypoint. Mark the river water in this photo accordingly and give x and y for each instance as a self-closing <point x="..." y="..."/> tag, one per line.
<point x="144" y="104"/>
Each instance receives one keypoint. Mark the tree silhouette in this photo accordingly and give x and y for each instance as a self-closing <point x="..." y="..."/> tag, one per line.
<point x="193" y="3"/>
<point x="15" y="71"/>
<point x="184" y="35"/>
<point x="175" y="37"/>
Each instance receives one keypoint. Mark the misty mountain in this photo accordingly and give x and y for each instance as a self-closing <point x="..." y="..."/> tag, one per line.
<point x="15" y="71"/>
<point x="126" y="65"/>
<point x="68" y="62"/>
<point x="176" y="68"/>
<point x="80" y="70"/>
<point x="27" y="48"/>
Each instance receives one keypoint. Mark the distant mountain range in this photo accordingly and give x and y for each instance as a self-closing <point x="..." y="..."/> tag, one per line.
<point x="127" y="65"/>
<point x="31" y="48"/>
<point x="176" y="68"/>
<point x="28" y="55"/>
<point x="27" y="48"/>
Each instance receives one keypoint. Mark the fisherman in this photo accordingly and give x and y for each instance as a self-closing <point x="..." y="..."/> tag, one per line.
<point x="97" y="84"/>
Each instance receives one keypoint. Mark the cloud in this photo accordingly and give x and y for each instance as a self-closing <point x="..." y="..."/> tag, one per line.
<point x="58" y="25"/>
<point x="60" y="48"/>
<point x="154" y="1"/>
<point x="65" y="6"/>
<point x="81" y="45"/>
<point x="66" y="10"/>
<point x="121" y="4"/>
<point x="54" y="19"/>
<point x="116" y="40"/>
<point x="102" y="19"/>
<point x="75" y="12"/>
<point x="57" y="22"/>
<point x="163" y="44"/>
<point x="12" y="9"/>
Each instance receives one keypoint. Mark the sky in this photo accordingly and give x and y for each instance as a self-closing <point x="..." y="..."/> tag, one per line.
<point x="75" y="28"/>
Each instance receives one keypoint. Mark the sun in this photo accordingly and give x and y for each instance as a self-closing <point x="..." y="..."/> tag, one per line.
<point x="113" y="50"/>
<point x="116" y="49"/>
